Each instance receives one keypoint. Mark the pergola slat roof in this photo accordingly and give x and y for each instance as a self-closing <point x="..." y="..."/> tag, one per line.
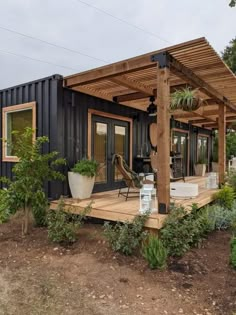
<point x="131" y="82"/>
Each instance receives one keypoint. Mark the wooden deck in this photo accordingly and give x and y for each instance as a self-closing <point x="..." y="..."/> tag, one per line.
<point x="107" y="206"/>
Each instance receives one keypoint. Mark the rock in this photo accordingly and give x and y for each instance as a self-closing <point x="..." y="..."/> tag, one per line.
<point x="181" y="310"/>
<point x="124" y="306"/>
<point x="102" y="296"/>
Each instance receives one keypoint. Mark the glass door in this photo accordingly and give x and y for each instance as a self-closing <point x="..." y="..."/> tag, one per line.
<point x="109" y="136"/>
<point x="203" y="150"/>
<point x="180" y="146"/>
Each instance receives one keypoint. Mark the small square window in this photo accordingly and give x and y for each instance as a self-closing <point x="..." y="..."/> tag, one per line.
<point x="16" y="118"/>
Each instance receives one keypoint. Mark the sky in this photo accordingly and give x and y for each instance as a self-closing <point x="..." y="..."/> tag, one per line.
<point x="93" y="38"/>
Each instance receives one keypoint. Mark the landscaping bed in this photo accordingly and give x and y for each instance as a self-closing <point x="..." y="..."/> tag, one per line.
<point x="39" y="277"/>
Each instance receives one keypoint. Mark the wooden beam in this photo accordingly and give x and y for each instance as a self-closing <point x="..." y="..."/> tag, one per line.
<point x="222" y="144"/>
<point x="110" y="71"/>
<point x="163" y="136"/>
<point x="228" y="119"/>
<point x="191" y="115"/>
<point x="133" y="85"/>
<point x="140" y="95"/>
<point x="191" y="78"/>
<point x="95" y="93"/>
<point x="200" y="121"/>
<point x="129" y="97"/>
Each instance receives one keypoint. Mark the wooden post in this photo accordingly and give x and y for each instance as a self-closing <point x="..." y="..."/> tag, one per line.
<point x="163" y="139"/>
<point x="222" y="143"/>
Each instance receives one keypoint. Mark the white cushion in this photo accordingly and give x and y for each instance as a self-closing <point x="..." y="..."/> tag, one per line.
<point x="183" y="190"/>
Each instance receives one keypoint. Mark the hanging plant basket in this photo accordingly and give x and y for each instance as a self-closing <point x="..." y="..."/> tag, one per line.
<point x="186" y="99"/>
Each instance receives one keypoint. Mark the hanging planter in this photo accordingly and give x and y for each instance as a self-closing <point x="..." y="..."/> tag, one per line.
<point x="186" y="99"/>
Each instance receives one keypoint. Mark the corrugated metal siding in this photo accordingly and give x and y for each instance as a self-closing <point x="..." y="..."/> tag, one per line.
<point x="62" y="115"/>
<point x="45" y="93"/>
<point x="75" y="113"/>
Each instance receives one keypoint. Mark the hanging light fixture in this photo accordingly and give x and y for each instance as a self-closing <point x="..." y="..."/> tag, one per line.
<point x="152" y="108"/>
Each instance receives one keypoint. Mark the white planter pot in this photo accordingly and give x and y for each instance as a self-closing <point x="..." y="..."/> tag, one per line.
<point x="200" y="169"/>
<point x="81" y="187"/>
<point x="214" y="167"/>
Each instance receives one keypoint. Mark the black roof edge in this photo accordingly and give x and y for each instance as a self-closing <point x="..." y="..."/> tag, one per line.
<point x="53" y="77"/>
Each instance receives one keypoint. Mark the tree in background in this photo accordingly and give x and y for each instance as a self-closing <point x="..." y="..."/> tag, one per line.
<point x="229" y="54"/>
<point x="232" y="3"/>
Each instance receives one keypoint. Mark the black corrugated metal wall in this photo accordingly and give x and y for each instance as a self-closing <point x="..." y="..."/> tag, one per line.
<point x="62" y="115"/>
<point x="46" y="93"/>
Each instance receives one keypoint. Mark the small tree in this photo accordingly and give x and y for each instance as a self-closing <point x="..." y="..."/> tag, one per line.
<point x="26" y="191"/>
<point x="229" y="55"/>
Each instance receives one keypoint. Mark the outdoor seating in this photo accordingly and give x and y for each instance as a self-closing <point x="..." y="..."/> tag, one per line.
<point x="133" y="181"/>
<point x="154" y="168"/>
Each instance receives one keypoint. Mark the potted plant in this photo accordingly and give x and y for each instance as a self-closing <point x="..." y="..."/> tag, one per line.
<point x="82" y="178"/>
<point x="200" y="166"/>
<point x="186" y="99"/>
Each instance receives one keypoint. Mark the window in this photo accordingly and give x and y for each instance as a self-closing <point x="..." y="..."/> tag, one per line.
<point x="16" y="118"/>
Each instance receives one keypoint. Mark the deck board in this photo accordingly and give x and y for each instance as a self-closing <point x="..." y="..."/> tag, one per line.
<point x="107" y="205"/>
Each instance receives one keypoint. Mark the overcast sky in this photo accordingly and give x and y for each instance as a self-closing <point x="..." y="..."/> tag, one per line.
<point x="75" y="25"/>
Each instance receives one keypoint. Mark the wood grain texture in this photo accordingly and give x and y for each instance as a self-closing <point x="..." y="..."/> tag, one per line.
<point x="163" y="137"/>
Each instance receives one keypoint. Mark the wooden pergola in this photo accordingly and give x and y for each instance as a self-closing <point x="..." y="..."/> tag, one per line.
<point x="131" y="82"/>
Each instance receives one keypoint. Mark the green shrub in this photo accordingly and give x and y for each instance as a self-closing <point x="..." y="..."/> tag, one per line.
<point x="182" y="230"/>
<point x="232" y="179"/>
<point x="224" y="218"/>
<point x="126" y="237"/>
<point x="176" y="233"/>
<point x="63" y="226"/>
<point x="233" y="252"/>
<point x="4" y="206"/>
<point x="225" y="197"/>
<point x="86" y="167"/>
<point x="155" y="253"/>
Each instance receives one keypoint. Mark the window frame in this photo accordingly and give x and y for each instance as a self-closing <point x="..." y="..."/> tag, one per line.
<point x="12" y="109"/>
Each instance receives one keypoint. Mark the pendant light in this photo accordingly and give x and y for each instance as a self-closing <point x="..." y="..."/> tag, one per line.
<point x="152" y="108"/>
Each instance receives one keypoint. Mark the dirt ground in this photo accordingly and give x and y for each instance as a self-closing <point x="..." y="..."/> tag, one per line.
<point x="38" y="277"/>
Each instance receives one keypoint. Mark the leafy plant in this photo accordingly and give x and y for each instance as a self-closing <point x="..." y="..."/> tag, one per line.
<point x="182" y="230"/>
<point x="224" y="218"/>
<point x="229" y="53"/>
<point x="185" y="99"/>
<point x="175" y="233"/>
<point x="26" y="190"/>
<point x="231" y="179"/>
<point x="233" y="252"/>
<point x="63" y="225"/>
<point x="4" y="206"/>
<point x="154" y="252"/>
<point x="126" y="237"/>
<point x="201" y="159"/>
<point x="86" y="167"/>
<point x="225" y="197"/>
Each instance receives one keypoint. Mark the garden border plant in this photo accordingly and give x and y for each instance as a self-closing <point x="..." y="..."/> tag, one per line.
<point x="64" y="225"/>
<point x="26" y="190"/>
<point x="126" y="237"/>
